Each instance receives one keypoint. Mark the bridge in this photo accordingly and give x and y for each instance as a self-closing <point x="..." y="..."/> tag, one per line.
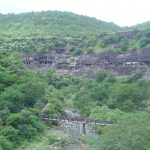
<point x="82" y="121"/>
<point x="76" y="120"/>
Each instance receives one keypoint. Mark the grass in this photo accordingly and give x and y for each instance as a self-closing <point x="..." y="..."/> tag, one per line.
<point x="48" y="141"/>
<point x="93" y="141"/>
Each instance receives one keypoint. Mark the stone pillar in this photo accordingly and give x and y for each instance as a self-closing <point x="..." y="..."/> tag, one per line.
<point x="82" y="128"/>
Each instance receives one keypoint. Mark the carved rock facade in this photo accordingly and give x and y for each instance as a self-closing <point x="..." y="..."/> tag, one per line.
<point x="117" y="64"/>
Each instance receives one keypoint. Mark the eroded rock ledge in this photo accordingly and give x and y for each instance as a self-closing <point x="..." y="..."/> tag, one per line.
<point x="117" y="64"/>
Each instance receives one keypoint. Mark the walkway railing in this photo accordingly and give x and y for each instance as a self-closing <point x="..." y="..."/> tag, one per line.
<point x="75" y="120"/>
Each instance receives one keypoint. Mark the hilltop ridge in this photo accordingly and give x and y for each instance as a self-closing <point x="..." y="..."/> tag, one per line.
<point x="52" y="23"/>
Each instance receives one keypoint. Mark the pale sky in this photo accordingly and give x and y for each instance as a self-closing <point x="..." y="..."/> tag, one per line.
<point x="121" y="12"/>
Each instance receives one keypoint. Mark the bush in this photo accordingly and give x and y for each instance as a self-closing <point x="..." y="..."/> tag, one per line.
<point x="126" y="136"/>
<point x="51" y="139"/>
<point x="101" y="75"/>
<point x="5" y="144"/>
<point x="27" y="131"/>
<point x="10" y="133"/>
<point x="137" y="75"/>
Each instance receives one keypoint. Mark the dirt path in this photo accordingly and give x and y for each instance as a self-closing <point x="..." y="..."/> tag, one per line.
<point x="75" y="145"/>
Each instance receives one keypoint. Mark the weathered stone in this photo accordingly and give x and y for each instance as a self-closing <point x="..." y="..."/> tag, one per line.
<point x="87" y="65"/>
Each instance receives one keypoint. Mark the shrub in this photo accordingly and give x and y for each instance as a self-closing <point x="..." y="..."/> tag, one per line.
<point x="51" y="139"/>
<point x="101" y="75"/>
<point x="5" y="144"/>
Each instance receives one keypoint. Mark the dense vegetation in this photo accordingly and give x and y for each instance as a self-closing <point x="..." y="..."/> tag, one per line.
<point x="24" y="93"/>
<point x="44" y="31"/>
<point x="22" y="96"/>
<point x="122" y="101"/>
<point x="125" y="41"/>
<point x="20" y="90"/>
<point x="51" y="24"/>
<point x="145" y="25"/>
<point x="45" y="45"/>
<point x="119" y="42"/>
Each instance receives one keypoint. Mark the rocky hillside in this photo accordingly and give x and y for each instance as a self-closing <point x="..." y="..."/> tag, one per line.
<point x="51" y="39"/>
<point x="42" y="32"/>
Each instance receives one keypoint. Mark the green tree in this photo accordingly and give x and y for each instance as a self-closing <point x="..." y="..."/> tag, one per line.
<point x="5" y="144"/>
<point x="101" y="75"/>
<point x="126" y="135"/>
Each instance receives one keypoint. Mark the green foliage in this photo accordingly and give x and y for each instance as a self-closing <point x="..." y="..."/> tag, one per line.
<point x="118" y="94"/>
<point x="26" y="124"/>
<point x="144" y="25"/>
<point x="126" y="135"/>
<point x="51" y="139"/>
<point x="101" y="75"/>
<point x="21" y="100"/>
<point x="24" y="93"/>
<point x="42" y="32"/>
<point x="5" y="144"/>
<point x="55" y="99"/>
<point x="13" y="96"/>
<point x="53" y="24"/>
<point x="125" y="41"/>
<point x="92" y="141"/>
<point x="10" y="133"/>
<point x="81" y="102"/>
<point x="129" y="130"/>
<point x="124" y="45"/>
<point x="137" y="75"/>
<point x="104" y="113"/>
<point x="129" y="96"/>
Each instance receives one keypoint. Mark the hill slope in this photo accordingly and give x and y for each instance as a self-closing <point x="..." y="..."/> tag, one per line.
<point x="145" y="25"/>
<point x="52" y="23"/>
<point x="45" y="31"/>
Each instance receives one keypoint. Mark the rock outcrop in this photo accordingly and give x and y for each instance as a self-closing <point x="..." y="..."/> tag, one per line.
<point x="87" y="65"/>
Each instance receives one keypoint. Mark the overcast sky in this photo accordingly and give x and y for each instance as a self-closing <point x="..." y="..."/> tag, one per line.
<point x="121" y="12"/>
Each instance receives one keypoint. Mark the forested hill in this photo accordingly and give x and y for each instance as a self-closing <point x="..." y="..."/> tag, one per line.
<point x="52" y="23"/>
<point x="125" y="101"/>
<point x="47" y="30"/>
<point x="145" y="25"/>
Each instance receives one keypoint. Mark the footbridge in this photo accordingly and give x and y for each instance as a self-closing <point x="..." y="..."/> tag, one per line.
<point x="82" y="121"/>
<point x="76" y="120"/>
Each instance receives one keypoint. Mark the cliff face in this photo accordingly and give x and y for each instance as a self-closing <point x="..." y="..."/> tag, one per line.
<point x="117" y="64"/>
